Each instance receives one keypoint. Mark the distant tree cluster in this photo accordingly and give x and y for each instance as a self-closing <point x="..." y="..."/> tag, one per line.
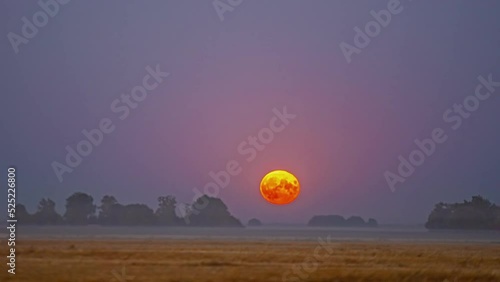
<point x="215" y="213"/>
<point x="254" y="222"/>
<point x="81" y="210"/>
<point x="340" y="221"/>
<point x="479" y="213"/>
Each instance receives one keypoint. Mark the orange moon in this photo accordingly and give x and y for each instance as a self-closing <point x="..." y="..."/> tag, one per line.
<point x="279" y="187"/>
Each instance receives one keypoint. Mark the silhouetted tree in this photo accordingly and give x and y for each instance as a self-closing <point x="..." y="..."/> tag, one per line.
<point x="166" y="211"/>
<point x="79" y="208"/>
<point x="355" y="221"/>
<point x="109" y="211"/>
<point x="254" y="222"/>
<point x="23" y="216"/>
<point x="46" y="213"/>
<point x="214" y="213"/>
<point x="138" y="214"/>
<point x="479" y="213"/>
<point x="106" y="203"/>
<point x="372" y="222"/>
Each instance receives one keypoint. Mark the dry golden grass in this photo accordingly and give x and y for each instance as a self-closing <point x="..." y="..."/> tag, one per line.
<point x="195" y="260"/>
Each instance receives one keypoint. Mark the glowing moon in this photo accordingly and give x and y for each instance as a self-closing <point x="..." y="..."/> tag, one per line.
<point x="279" y="187"/>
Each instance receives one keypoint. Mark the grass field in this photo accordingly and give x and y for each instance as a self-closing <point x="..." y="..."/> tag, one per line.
<point x="192" y="260"/>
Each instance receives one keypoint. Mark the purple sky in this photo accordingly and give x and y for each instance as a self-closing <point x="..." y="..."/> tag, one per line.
<point x="353" y="119"/>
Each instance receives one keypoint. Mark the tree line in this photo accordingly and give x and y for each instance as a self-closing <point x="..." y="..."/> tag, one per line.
<point x="340" y="221"/>
<point x="478" y="213"/>
<point x="81" y="210"/>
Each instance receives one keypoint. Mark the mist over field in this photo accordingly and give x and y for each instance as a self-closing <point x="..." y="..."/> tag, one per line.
<point x="266" y="233"/>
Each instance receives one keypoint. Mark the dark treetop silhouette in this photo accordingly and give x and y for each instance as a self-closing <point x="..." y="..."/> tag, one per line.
<point x="479" y="213"/>
<point x="254" y="222"/>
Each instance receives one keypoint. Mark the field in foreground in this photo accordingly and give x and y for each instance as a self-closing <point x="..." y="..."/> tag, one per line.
<point x="214" y="260"/>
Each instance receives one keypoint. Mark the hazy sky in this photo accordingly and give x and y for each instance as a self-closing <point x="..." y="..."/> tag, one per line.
<point x="353" y="119"/>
